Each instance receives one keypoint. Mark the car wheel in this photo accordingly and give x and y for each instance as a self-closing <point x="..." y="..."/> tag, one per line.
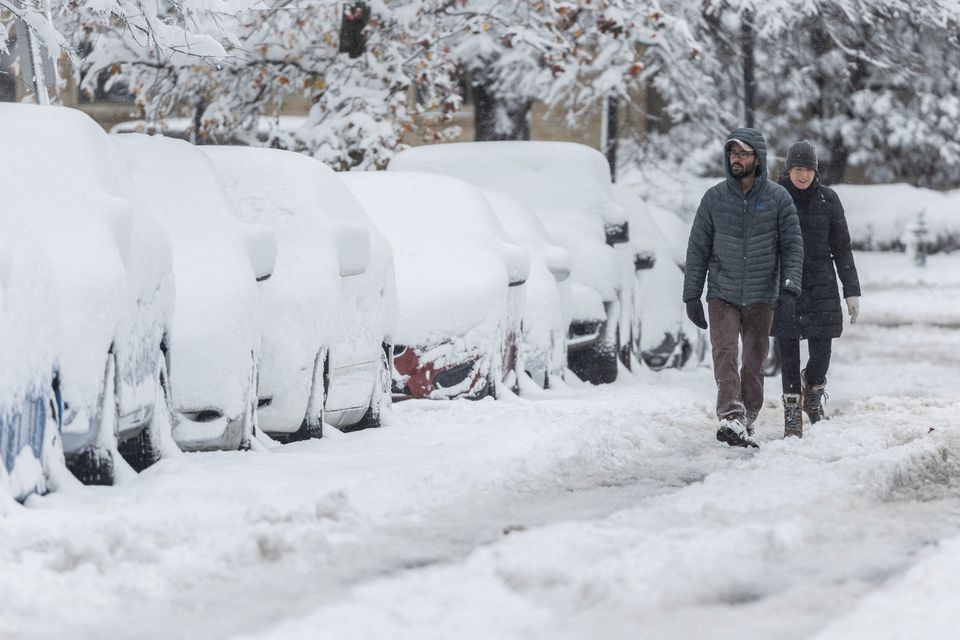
<point x="596" y="363"/>
<point x="624" y="349"/>
<point x="93" y="464"/>
<point x="380" y="397"/>
<point x="143" y="449"/>
<point x="686" y="350"/>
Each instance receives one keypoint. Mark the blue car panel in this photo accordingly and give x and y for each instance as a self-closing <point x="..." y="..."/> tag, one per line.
<point x="23" y="426"/>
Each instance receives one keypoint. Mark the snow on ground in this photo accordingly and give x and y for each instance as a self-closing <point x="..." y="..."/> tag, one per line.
<point x="582" y="512"/>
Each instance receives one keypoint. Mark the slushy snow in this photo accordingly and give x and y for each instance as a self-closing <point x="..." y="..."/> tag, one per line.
<point x="583" y="512"/>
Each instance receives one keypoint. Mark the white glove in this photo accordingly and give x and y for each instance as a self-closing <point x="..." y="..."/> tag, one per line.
<point x="853" y="308"/>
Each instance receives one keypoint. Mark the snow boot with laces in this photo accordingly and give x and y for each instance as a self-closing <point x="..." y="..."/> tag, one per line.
<point x="813" y="395"/>
<point x="792" y="416"/>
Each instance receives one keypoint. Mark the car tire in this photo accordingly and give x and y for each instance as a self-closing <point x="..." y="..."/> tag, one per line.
<point x="596" y="363"/>
<point x="380" y="397"/>
<point x="624" y="349"/>
<point x="93" y="465"/>
<point x="685" y="352"/>
<point x="143" y="450"/>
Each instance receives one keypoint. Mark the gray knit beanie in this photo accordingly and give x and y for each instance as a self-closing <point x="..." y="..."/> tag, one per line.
<point x="802" y="154"/>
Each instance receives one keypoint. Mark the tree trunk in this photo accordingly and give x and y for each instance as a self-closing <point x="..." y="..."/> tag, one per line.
<point x="833" y="170"/>
<point x="353" y="42"/>
<point x="8" y="87"/>
<point x="748" y="40"/>
<point x="611" y="133"/>
<point x="198" y="109"/>
<point x="496" y="118"/>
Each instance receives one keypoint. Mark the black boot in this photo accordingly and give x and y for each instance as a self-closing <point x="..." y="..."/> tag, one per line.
<point x="812" y="398"/>
<point x="792" y="416"/>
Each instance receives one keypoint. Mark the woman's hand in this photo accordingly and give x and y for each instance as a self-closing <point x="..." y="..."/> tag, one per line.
<point x="853" y="308"/>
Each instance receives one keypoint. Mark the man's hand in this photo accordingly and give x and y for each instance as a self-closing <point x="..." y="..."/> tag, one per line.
<point x="853" y="308"/>
<point x="787" y="304"/>
<point x="695" y="313"/>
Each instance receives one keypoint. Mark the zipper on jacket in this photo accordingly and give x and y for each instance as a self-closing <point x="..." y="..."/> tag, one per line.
<point x="743" y="266"/>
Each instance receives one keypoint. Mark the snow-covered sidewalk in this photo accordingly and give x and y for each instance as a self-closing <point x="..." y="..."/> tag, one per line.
<point x="579" y="513"/>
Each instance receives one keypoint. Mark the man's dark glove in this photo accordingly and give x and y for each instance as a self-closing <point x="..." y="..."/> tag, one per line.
<point x="787" y="304"/>
<point x="695" y="313"/>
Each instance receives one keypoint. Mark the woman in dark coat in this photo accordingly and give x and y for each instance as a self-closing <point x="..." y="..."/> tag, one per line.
<point x="818" y="317"/>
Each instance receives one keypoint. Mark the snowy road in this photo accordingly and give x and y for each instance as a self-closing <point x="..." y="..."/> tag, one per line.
<point x="580" y="513"/>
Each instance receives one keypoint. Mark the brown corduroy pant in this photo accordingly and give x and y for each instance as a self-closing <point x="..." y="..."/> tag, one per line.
<point x="739" y="392"/>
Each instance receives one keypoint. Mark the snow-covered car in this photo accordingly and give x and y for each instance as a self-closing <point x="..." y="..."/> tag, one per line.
<point x="547" y="312"/>
<point x="664" y="336"/>
<point x="459" y="284"/>
<point x="568" y="186"/>
<point x="213" y="346"/>
<point x="329" y="309"/>
<point x="111" y="286"/>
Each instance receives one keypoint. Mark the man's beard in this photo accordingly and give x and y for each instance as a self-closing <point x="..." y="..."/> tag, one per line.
<point x="741" y="171"/>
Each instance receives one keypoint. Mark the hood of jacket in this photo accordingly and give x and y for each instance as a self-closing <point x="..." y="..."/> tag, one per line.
<point x="754" y="138"/>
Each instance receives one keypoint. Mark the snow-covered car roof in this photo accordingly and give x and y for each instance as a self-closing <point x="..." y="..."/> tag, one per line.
<point x="566" y="184"/>
<point x="451" y="269"/>
<point x="287" y="191"/>
<point x="178" y="127"/>
<point x="321" y="226"/>
<point x="556" y="179"/>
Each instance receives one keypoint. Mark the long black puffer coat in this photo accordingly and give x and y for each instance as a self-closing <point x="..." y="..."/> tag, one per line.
<point x="826" y="242"/>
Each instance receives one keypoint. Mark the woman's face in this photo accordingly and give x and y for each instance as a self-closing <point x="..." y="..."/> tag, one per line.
<point x="801" y="177"/>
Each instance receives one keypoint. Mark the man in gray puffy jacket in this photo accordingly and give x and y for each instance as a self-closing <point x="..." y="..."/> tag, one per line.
<point x="746" y="243"/>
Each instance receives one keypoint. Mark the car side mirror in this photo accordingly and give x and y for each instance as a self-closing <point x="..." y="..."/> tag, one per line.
<point x="261" y="243"/>
<point x="517" y="260"/>
<point x="558" y="262"/>
<point x="617" y="232"/>
<point x="644" y="260"/>
<point x="353" y="248"/>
